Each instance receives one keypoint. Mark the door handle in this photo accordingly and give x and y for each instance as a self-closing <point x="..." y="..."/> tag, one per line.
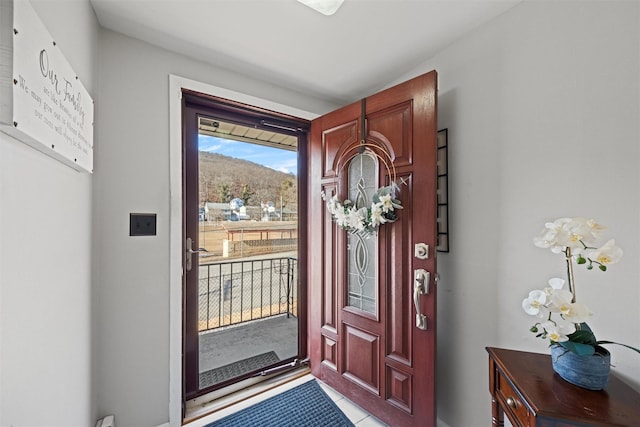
<point x="190" y="251"/>
<point x="420" y="287"/>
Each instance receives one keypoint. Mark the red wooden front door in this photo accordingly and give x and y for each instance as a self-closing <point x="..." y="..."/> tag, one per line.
<point x="375" y="354"/>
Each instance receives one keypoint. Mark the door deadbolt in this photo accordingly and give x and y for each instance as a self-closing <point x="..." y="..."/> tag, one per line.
<point x="421" y="251"/>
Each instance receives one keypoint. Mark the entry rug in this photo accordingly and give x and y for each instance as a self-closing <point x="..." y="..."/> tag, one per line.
<point x="235" y="369"/>
<point x="306" y="405"/>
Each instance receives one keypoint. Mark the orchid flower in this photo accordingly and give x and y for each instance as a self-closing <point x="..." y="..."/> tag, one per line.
<point x="609" y="253"/>
<point x="558" y="331"/>
<point x="534" y="303"/>
<point x="576" y="313"/>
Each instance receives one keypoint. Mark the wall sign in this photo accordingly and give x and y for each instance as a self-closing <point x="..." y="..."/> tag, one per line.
<point x="42" y="101"/>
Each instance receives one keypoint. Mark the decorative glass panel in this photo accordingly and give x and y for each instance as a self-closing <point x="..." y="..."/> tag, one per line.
<point x="362" y="249"/>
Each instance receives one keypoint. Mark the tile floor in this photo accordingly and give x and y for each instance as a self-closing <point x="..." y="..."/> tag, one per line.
<point x="357" y="415"/>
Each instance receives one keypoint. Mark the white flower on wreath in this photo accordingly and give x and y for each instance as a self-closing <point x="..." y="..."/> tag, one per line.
<point x="377" y="215"/>
<point x="387" y="203"/>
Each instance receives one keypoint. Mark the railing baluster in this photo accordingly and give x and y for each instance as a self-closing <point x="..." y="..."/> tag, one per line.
<point x="280" y="283"/>
<point x="230" y="295"/>
<point x="288" y="287"/>
<point x="261" y="288"/>
<point x="272" y="270"/>
<point x="208" y="294"/>
<point x="219" y="280"/>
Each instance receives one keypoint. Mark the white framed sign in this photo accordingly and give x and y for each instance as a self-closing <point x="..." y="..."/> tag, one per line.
<point x="43" y="103"/>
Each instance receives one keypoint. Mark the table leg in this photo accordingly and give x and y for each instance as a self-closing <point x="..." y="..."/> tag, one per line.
<point x="497" y="415"/>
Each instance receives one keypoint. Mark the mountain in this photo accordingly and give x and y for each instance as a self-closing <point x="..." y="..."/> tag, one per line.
<point x="223" y="178"/>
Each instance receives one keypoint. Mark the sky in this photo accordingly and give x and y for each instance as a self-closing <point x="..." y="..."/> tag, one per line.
<point x="274" y="158"/>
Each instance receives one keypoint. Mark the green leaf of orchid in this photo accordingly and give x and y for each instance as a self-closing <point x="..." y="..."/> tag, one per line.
<point x="584" y="327"/>
<point x="583" y="335"/>
<point x="581" y="260"/>
<point x="602" y="267"/>
<point x="578" y="348"/>
<point x="617" y="343"/>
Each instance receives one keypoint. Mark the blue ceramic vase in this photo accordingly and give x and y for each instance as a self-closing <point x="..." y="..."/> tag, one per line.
<point x="590" y="372"/>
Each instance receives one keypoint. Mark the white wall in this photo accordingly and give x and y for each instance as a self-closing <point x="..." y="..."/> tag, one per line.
<point x="543" y="108"/>
<point x="132" y="274"/>
<point x="45" y="260"/>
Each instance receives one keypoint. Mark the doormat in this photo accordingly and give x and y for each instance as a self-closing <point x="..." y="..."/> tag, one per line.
<point x="306" y="405"/>
<point x="236" y="369"/>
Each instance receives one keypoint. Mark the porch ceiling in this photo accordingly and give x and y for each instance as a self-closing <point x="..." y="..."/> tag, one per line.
<point x="220" y="129"/>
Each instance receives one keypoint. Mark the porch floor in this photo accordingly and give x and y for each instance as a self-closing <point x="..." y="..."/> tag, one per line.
<point x="230" y="344"/>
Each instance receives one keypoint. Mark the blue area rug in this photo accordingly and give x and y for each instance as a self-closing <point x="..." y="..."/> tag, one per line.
<point x="306" y="405"/>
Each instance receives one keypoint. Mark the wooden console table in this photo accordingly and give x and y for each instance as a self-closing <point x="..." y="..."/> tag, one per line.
<point x="524" y="386"/>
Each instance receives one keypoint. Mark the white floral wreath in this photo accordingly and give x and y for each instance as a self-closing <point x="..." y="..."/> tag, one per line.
<point x="384" y="202"/>
<point x="365" y="219"/>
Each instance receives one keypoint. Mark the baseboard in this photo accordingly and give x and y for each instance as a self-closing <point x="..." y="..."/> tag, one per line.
<point x="164" y="425"/>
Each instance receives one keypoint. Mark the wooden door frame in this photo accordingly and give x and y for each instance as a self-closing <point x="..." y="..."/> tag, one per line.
<point x="175" y="217"/>
<point x="197" y="104"/>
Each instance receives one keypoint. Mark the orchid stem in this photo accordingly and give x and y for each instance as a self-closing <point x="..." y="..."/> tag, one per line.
<point x="570" y="273"/>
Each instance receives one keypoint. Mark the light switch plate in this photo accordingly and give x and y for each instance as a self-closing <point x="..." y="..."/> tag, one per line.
<point x="142" y="224"/>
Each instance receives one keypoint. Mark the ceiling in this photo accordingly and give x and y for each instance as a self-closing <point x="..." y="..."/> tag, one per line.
<point x="365" y="46"/>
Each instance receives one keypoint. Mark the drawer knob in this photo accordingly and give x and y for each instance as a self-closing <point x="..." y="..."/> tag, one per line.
<point x="512" y="403"/>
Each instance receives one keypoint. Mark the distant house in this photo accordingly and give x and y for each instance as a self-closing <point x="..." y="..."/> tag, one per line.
<point x="236" y="204"/>
<point x="216" y="211"/>
<point x="229" y="211"/>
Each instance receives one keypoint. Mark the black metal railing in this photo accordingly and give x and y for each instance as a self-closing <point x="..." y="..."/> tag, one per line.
<point x="240" y="291"/>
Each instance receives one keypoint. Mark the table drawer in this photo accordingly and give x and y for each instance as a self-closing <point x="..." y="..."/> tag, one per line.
<point x="518" y="412"/>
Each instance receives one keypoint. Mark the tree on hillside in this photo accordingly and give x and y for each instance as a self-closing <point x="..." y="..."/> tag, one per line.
<point x="247" y="192"/>
<point x="224" y="192"/>
<point x="288" y="191"/>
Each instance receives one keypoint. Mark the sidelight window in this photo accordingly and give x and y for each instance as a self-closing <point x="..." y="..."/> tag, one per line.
<point x="361" y="247"/>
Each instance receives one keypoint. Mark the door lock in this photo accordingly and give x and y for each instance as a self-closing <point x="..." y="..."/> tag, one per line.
<point x="421" y="251"/>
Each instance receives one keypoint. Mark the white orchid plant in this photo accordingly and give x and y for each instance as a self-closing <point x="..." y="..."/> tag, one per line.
<point x="365" y="219"/>
<point x="562" y="319"/>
